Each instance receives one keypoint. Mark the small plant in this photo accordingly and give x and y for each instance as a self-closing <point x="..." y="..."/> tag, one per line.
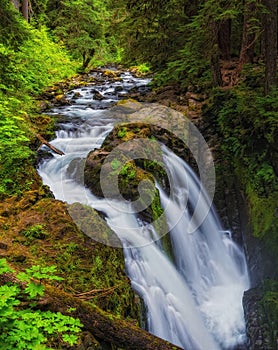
<point x="22" y="326"/>
<point x="122" y="132"/>
<point x="36" y="231"/>
<point x="141" y="69"/>
<point x="128" y="171"/>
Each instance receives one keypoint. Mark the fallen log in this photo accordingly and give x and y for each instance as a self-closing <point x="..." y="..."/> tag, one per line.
<point x="105" y="326"/>
<point x="54" y="149"/>
<point x="101" y="324"/>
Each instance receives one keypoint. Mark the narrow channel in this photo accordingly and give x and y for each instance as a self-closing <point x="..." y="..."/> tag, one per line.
<point x="195" y="302"/>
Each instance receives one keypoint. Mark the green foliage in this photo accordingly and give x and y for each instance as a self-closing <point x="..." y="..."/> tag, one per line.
<point x="15" y="154"/>
<point x="270" y="306"/>
<point x="13" y="28"/>
<point x="83" y="27"/>
<point x="142" y="68"/>
<point x="22" y="325"/>
<point x="128" y="171"/>
<point x="36" y="63"/>
<point x="39" y="12"/>
<point x="150" y="31"/>
<point x="38" y="273"/>
<point x="39" y="63"/>
<point x="190" y="65"/>
<point x="122" y="132"/>
<point x="247" y="124"/>
<point x="36" y="231"/>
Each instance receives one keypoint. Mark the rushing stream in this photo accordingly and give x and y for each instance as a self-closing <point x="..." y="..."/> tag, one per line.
<point x="195" y="303"/>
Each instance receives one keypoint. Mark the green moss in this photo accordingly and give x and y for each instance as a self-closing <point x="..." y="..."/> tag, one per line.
<point x="85" y="265"/>
<point x="269" y="304"/>
<point x="246" y="123"/>
<point x="122" y="132"/>
<point x="157" y="210"/>
<point x="128" y="171"/>
<point x="161" y="225"/>
<point x="33" y="232"/>
<point x="263" y="212"/>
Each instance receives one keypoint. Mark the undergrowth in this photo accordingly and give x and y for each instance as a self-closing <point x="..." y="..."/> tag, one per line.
<point x="246" y="123"/>
<point x="36" y="63"/>
<point x="23" y="326"/>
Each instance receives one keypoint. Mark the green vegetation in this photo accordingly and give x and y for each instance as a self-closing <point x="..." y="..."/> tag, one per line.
<point x="269" y="304"/>
<point x="81" y="26"/>
<point x="246" y="122"/>
<point x="122" y="132"/>
<point x="128" y="171"/>
<point x="29" y="61"/>
<point x="226" y="51"/>
<point x="14" y="151"/>
<point x="23" y="325"/>
<point x="36" y="231"/>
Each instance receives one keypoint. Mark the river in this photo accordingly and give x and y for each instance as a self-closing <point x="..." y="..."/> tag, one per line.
<point x="195" y="302"/>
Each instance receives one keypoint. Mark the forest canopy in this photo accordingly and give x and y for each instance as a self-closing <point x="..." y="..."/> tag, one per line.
<point x="186" y="41"/>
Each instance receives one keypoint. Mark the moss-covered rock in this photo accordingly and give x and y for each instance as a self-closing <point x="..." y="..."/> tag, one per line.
<point x="128" y="165"/>
<point x="38" y="230"/>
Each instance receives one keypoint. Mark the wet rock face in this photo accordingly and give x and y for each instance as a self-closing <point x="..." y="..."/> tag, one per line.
<point x="256" y="329"/>
<point x="131" y="152"/>
<point x="130" y="161"/>
<point x="128" y="170"/>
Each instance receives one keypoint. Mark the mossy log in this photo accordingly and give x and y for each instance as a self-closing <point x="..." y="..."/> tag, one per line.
<point x="101" y="324"/>
<point x="106" y="326"/>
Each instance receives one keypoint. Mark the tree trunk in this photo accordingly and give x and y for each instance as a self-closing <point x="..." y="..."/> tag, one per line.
<point x="224" y="39"/>
<point x="87" y="56"/>
<point x="16" y="4"/>
<point x="270" y="35"/>
<point x="248" y="36"/>
<point x="215" y="56"/>
<point x="215" y="69"/>
<point x="101" y="324"/>
<point x="25" y="9"/>
<point x="105" y="326"/>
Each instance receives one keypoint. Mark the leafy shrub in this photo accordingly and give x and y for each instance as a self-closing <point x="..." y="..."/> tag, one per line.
<point x="37" y="62"/>
<point x="15" y="154"/>
<point x="22" y="326"/>
<point x="246" y="123"/>
<point x="14" y="29"/>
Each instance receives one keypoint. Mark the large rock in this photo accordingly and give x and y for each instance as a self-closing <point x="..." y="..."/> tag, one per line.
<point x="130" y="160"/>
<point x="257" y="329"/>
<point x="128" y="154"/>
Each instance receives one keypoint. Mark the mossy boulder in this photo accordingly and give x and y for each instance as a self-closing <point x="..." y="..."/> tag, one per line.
<point x="38" y="230"/>
<point x="128" y="167"/>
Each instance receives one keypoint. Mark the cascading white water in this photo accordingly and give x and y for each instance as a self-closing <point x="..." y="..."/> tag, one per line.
<point x="195" y="304"/>
<point x="211" y="263"/>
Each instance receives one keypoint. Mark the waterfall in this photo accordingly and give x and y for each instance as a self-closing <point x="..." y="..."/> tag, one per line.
<point x="212" y="265"/>
<point x="195" y="301"/>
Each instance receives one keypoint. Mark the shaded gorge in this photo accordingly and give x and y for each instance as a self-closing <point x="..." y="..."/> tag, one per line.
<point x="191" y="279"/>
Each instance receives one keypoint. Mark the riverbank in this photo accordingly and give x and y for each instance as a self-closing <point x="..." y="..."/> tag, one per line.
<point x="33" y="201"/>
<point x="246" y="188"/>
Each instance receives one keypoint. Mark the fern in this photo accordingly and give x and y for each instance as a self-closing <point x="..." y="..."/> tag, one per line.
<point x="23" y="327"/>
